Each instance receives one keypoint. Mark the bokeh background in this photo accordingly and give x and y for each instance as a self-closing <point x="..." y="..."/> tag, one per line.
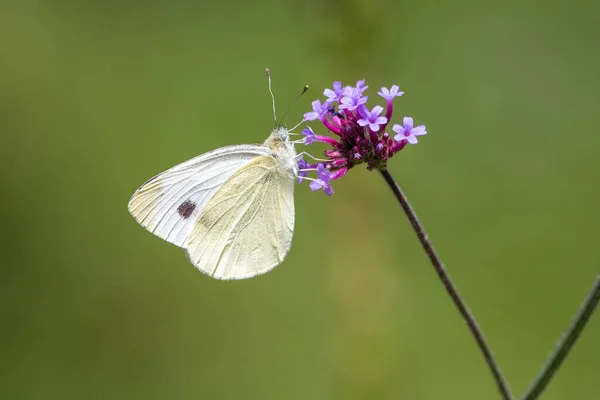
<point x="98" y="96"/>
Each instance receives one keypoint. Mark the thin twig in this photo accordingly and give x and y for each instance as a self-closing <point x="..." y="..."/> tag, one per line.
<point x="566" y="344"/>
<point x="450" y="288"/>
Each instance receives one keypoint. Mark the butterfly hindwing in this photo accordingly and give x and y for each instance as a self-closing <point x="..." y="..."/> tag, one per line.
<point x="246" y="228"/>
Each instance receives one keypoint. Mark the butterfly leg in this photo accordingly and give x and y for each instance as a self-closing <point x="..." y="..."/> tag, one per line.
<point x="299" y="155"/>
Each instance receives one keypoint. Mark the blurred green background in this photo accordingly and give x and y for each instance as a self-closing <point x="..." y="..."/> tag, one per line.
<point x="98" y="96"/>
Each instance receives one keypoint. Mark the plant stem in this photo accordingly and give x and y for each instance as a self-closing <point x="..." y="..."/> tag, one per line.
<point x="450" y="288"/>
<point x="566" y="344"/>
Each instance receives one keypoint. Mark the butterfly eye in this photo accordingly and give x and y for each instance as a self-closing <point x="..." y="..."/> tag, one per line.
<point x="283" y="134"/>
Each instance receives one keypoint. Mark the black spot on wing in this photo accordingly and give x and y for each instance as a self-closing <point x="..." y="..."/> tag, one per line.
<point x="186" y="209"/>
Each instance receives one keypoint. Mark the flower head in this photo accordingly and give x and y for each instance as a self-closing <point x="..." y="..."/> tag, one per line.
<point x="318" y="112"/>
<point x="323" y="181"/>
<point x="389" y="94"/>
<point x="309" y="135"/>
<point x="303" y="169"/>
<point x="359" y="133"/>
<point x="371" y="118"/>
<point x="353" y="99"/>
<point x="408" y="131"/>
<point x="360" y="86"/>
<point x="336" y="94"/>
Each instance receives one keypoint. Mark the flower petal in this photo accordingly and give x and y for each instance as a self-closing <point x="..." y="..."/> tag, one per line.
<point x="315" y="185"/>
<point x="376" y="111"/>
<point x="399" y="129"/>
<point x="381" y="120"/>
<point x="329" y="93"/>
<point x="384" y="92"/>
<point x="419" y="130"/>
<point x="311" y="116"/>
<point x="302" y="169"/>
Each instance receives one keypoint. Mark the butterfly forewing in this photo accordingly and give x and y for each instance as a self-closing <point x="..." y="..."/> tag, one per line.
<point x="246" y="228"/>
<point x="169" y="204"/>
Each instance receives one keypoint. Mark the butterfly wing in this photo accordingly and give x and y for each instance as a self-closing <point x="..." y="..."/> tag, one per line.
<point x="169" y="203"/>
<point x="246" y="228"/>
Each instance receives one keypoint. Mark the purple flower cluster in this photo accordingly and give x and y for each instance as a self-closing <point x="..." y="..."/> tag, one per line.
<point x="361" y="133"/>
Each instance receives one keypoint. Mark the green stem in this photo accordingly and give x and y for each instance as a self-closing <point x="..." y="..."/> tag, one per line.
<point x="450" y="288"/>
<point x="566" y="344"/>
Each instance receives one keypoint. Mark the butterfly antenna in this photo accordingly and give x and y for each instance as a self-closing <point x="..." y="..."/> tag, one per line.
<point x="268" y="71"/>
<point x="304" y="89"/>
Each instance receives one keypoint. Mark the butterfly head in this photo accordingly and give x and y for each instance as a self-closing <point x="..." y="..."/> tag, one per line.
<point x="282" y="149"/>
<point x="282" y="133"/>
<point x="279" y="136"/>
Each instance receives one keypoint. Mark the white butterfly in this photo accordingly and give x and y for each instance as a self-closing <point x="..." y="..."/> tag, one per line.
<point x="231" y="209"/>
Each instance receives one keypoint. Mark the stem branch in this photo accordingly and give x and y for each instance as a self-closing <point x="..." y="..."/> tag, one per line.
<point x="566" y="344"/>
<point x="450" y="288"/>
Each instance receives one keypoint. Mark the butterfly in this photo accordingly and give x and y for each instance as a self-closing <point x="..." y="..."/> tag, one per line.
<point x="231" y="209"/>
